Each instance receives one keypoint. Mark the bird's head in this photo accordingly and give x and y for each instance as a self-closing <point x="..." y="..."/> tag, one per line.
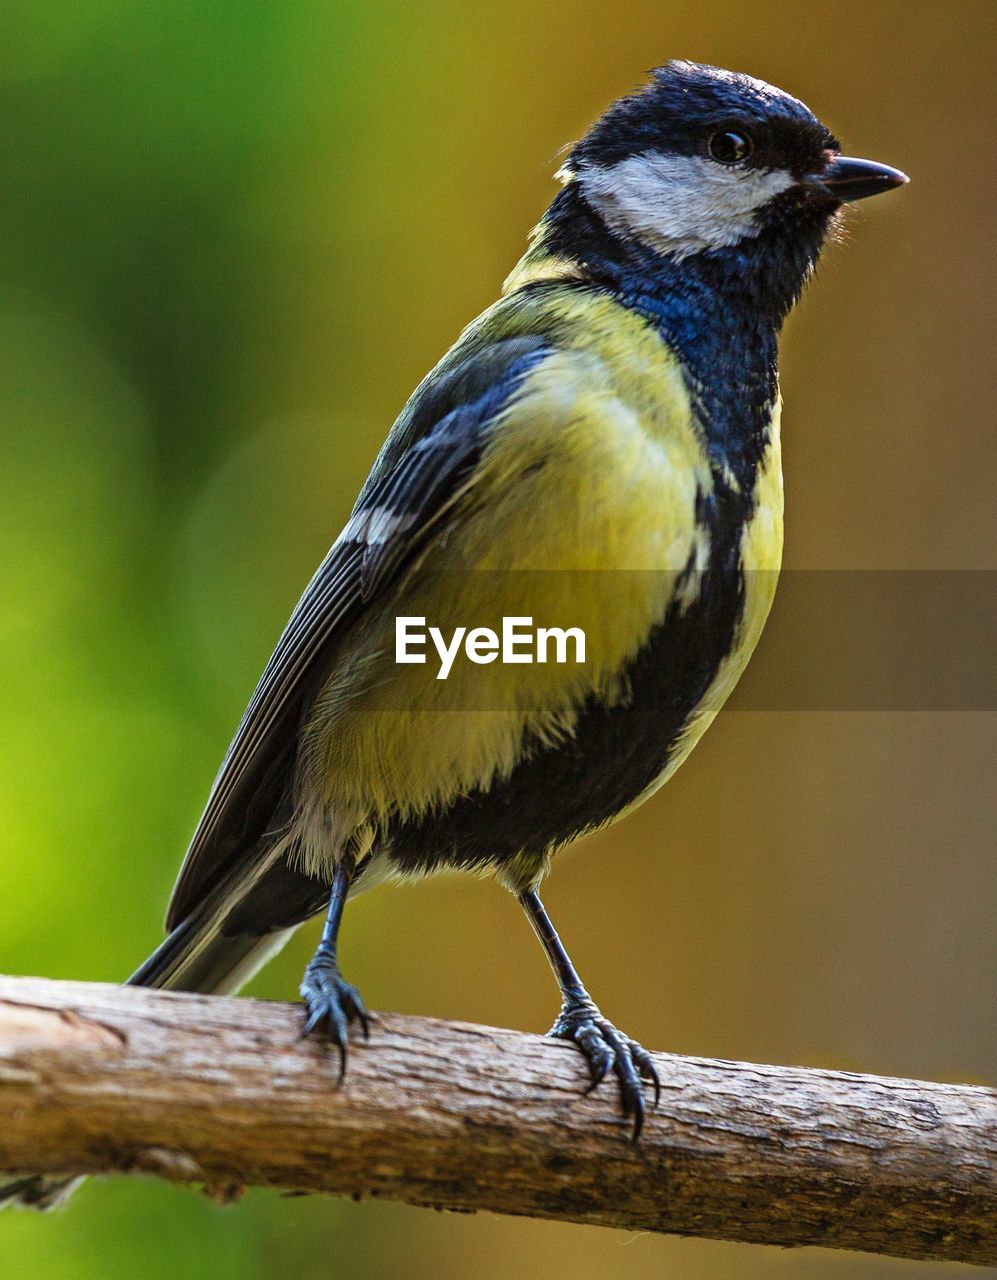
<point x="704" y="162"/>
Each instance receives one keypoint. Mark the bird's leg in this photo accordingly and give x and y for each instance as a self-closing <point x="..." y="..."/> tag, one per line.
<point x="332" y="1004"/>
<point x="581" y="1021"/>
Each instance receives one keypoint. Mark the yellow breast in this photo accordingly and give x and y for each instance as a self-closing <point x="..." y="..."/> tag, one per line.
<point x="760" y="559"/>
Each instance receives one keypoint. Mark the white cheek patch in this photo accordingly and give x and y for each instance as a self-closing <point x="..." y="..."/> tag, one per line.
<point x="680" y="205"/>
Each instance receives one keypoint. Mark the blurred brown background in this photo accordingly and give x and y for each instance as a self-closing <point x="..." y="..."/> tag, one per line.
<point x="232" y="238"/>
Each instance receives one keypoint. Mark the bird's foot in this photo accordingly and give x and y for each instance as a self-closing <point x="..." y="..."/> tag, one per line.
<point x="331" y="1004"/>
<point x="605" y="1048"/>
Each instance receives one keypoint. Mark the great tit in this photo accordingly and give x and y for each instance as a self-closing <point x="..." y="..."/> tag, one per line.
<point x="600" y="446"/>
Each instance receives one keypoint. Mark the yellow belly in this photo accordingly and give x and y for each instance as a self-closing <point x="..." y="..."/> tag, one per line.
<point x="581" y="513"/>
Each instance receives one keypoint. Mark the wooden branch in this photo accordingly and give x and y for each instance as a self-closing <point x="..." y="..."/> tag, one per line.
<point x="102" y="1079"/>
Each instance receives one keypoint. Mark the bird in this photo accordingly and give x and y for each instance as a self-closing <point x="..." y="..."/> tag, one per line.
<point x="601" y="449"/>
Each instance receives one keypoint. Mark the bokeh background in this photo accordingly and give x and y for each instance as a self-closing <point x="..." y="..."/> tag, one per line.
<point x="232" y="238"/>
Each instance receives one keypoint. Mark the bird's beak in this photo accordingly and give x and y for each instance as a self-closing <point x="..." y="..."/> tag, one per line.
<point x="849" y="179"/>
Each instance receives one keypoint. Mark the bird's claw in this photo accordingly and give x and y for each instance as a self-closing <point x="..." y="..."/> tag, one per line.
<point x="605" y="1048"/>
<point x="331" y="1005"/>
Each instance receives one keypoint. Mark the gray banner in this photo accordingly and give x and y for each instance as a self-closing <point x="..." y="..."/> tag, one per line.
<point x="836" y="640"/>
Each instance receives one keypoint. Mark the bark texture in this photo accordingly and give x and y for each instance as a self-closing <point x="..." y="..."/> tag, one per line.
<point x="102" y="1079"/>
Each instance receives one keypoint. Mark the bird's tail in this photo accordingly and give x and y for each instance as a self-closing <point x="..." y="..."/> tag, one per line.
<point x="199" y="955"/>
<point x="36" y="1191"/>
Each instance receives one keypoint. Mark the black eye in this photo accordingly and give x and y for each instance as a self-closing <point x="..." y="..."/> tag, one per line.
<point x="729" y="146"/>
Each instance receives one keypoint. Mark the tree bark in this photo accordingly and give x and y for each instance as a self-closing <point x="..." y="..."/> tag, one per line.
<point x="103" y="1079"/>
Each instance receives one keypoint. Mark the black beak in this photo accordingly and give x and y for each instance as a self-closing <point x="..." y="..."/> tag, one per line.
<point x="849" y="179"/>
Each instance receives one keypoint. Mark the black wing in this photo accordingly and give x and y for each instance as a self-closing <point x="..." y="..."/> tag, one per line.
<point x="426" y="461"/>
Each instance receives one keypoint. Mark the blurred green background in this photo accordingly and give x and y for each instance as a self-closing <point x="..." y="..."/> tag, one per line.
<point x="233" y="236"/>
